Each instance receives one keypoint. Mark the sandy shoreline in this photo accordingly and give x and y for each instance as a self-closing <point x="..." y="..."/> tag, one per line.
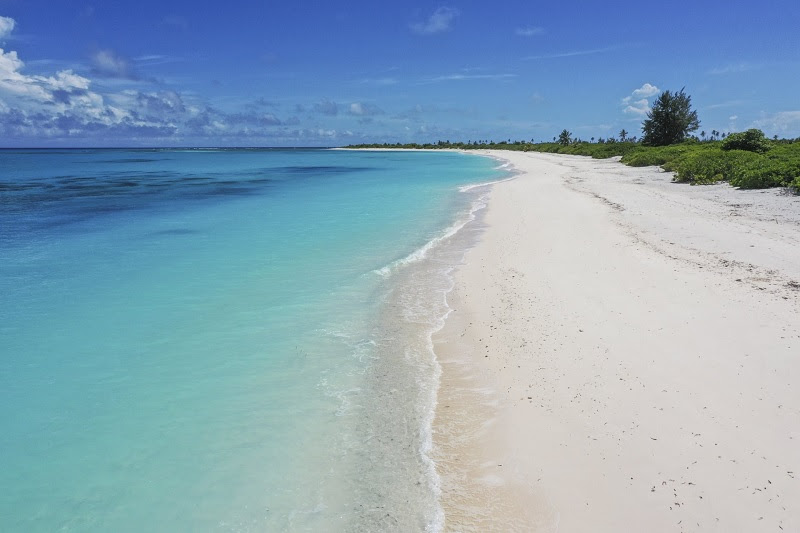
<point x="623" y="355"/>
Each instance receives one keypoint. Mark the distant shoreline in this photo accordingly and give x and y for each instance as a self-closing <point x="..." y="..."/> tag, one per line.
<point x="694" y="162"/>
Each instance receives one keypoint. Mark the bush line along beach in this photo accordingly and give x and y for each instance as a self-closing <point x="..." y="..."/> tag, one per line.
<point x="747" y="160"/>
<point x="694" y="161"/>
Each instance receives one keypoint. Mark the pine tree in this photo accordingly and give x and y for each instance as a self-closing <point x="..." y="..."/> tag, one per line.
<point x="671" y="119"/>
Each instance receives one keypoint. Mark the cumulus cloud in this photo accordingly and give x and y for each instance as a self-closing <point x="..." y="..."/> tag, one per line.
<point x="638" y="107"/>
<point x="6" y="26"/>
<point x="637" y="102"/>
<point x="153" y="105"/>
<point x="529" y="31"/>
<point x="24" y="90"/>
<point x="61" y="104"/>
<point x="364" y="110"/>
<point x="65" y="107"/>
<point x="645" y="91"/>
<point x="440" y="21"/>
<point x="326" y="107"/>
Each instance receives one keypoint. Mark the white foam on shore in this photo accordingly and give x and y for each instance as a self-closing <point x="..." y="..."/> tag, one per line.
<point x="437" y="525"/>
<point x="420" y="253"/>
<point x="466" y="188"/>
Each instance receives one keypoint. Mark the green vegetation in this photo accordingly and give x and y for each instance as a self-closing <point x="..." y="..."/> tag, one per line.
<point x="670" y="121"/>
<point x="752" y="140"/>
<point x="692" y="161"/>
<point x="747" y="160"/>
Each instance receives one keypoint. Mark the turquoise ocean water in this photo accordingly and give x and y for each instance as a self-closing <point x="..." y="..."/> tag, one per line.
<point x="225" y="340"/>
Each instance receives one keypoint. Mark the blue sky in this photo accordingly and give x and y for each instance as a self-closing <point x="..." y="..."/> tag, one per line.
<point x="267" y="73"/>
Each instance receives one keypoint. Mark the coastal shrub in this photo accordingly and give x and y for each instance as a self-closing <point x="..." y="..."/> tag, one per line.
<point x="710" y="165"/>
<point x="795" y="185"/>
<point x="764" y="173"/>
<point x="645" y="156"/>
<point x="606" y="150"/>
<point x="752" y="140"/>
<point x="701" y="167"/>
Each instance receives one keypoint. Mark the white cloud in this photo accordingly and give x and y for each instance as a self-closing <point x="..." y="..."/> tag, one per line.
<point x="645" y="91"/>
<point x="637" y="102"/>
<point x="59" y="104"/>
<point x="529" y="31"/>
<point x="67" y="107"/>
<point x="638" y="107"/>
<point x="42" y="89"/>
<point x="6" y="26"/>
<point x="440" y="21"/>
<point x="733" y="117"/>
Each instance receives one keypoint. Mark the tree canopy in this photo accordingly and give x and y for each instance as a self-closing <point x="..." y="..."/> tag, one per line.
<point x="671" y="119"/>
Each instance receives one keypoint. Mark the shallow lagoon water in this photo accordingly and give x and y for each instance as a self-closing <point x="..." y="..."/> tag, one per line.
<point x="232" y="340"/>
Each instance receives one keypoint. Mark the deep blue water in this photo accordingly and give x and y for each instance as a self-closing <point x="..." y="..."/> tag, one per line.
<point x="205" y="339"/>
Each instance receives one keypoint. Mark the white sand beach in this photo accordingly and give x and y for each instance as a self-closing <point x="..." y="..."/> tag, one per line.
<point x="623" y="355"/>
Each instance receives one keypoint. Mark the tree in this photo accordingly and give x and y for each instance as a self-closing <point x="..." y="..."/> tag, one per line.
<point x="623" y="135"/>
<point x="564" y="138"/>
<point x="671" y="120"/>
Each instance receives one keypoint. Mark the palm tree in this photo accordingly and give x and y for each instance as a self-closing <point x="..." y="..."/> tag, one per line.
<point x="623" y="135"/>
<point x="703" y="135"/>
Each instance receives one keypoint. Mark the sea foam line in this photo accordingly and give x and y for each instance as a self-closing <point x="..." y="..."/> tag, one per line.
<point x="466" y="188"/>
<point x="421" y="252"/>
